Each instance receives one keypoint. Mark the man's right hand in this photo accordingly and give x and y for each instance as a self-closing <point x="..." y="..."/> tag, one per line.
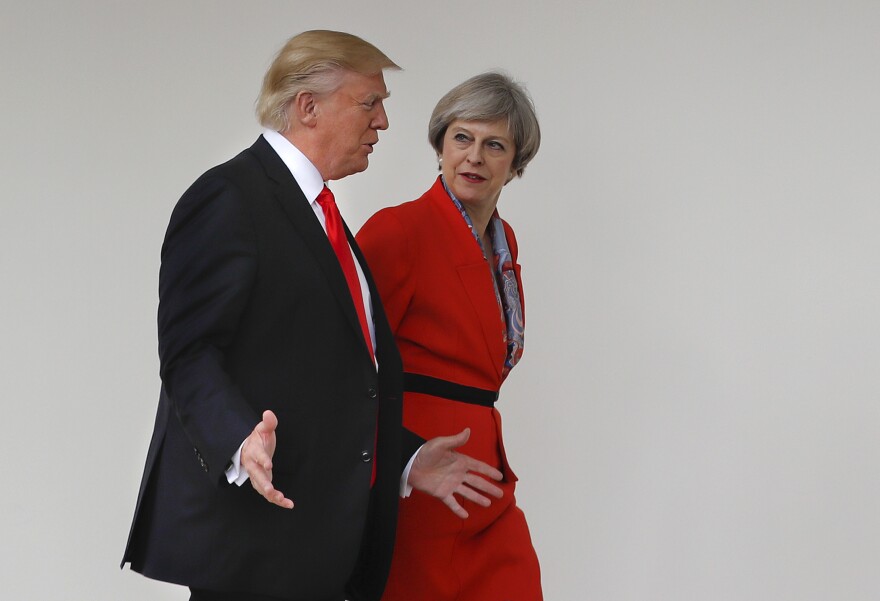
<point x="256" y="458"/>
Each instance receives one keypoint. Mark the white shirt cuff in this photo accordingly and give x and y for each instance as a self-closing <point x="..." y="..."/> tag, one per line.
<point x="236" y="473"/>
<point x="405" y="487"/>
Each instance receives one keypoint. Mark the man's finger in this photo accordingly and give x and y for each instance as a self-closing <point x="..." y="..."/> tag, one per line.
<point x="268" y="424"/>
<point x="276" y="497"/>
<point x="442" y="444"/>
<point x="279" y="499"/>
<point x="485" y="469"/>
<point x="471" y="495"/>
<point x="483" y="485"/>
<point x="262" y="483"/>
<point x="453" y="442"/>
<point x="255" y="454"/>
<point x="457" y="509"/>
<point x="261" y="480"/>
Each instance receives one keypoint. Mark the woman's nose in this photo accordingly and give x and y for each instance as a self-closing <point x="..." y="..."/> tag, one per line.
<point x="475" y="156"/>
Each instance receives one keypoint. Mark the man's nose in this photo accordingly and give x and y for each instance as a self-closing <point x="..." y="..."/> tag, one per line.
<point x="381" y="119"/>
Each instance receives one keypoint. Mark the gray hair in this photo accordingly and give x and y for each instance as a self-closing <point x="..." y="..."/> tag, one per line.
<point x="490" y="97"/>
<point x="313" y="61"/>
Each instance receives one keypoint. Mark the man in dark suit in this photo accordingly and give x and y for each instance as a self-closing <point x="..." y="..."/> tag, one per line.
<point x="278" y="366"/>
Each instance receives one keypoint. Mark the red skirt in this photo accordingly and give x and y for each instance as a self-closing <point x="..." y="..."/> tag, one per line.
<point x="438" y="556"/>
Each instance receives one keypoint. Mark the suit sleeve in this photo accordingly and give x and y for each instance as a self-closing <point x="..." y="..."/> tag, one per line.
<point x="388" y="250"/>
<point x="209" y="264"/>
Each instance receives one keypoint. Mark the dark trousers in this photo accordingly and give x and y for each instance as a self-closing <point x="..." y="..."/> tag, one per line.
<point x="203" y="595"/>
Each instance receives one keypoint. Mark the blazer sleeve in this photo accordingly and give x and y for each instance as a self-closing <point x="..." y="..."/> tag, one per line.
<point x="209" y="264"/>
<point x="389" y="252"/>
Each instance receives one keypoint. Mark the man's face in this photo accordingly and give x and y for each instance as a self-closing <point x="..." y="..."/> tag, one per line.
<point x="348" y="124"/>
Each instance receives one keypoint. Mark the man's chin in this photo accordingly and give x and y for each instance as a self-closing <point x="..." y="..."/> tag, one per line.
<point x="349" y="170"/>
<point x="361" y="167"/>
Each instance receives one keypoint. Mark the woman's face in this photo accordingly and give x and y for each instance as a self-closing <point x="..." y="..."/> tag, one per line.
<point x="476" y="162"/>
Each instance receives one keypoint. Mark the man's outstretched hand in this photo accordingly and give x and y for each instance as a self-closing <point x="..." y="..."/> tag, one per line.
<point x="256" y="458"/>
<point x="441" y="472"/>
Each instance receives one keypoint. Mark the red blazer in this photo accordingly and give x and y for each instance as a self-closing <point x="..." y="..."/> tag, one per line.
<point x="437" y="290"/>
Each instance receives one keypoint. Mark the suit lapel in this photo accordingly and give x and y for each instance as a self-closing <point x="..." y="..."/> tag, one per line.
<point x="378" y="311"/>
<point x="298" y="210"/>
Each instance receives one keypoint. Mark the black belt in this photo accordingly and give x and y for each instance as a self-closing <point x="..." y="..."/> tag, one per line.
<point x="449" y="390"/>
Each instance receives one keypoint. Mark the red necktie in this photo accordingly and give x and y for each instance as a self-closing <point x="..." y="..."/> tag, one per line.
<point x="336" y="234"/>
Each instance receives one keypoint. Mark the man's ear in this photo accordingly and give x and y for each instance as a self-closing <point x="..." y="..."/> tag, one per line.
<point x="304" y="109"/>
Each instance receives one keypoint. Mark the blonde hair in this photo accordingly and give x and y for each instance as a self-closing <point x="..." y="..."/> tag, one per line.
<point x="313" y="61"/>
<point x="490" y="97"/>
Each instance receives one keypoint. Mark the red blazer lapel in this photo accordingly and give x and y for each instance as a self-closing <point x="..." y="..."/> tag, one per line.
<point x="475" y="278"/>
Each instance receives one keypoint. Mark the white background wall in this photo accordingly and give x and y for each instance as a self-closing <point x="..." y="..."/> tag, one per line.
<point x="696" y="415"/>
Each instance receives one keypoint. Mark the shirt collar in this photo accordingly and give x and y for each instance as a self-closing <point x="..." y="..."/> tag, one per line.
<point x="302" y="169"/>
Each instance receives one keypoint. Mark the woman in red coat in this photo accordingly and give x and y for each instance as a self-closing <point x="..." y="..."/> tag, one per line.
<point x="446" y="268"/>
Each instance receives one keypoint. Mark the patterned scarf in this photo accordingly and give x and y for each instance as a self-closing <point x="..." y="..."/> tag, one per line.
<point x="506" y="289"/>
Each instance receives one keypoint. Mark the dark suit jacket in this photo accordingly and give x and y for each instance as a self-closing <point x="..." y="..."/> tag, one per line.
<point x="255" y="314"/>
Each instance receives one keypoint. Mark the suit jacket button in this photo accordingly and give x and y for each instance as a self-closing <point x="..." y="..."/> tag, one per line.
<point x="371" y="392"/>
<point x="366" y="456"/>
